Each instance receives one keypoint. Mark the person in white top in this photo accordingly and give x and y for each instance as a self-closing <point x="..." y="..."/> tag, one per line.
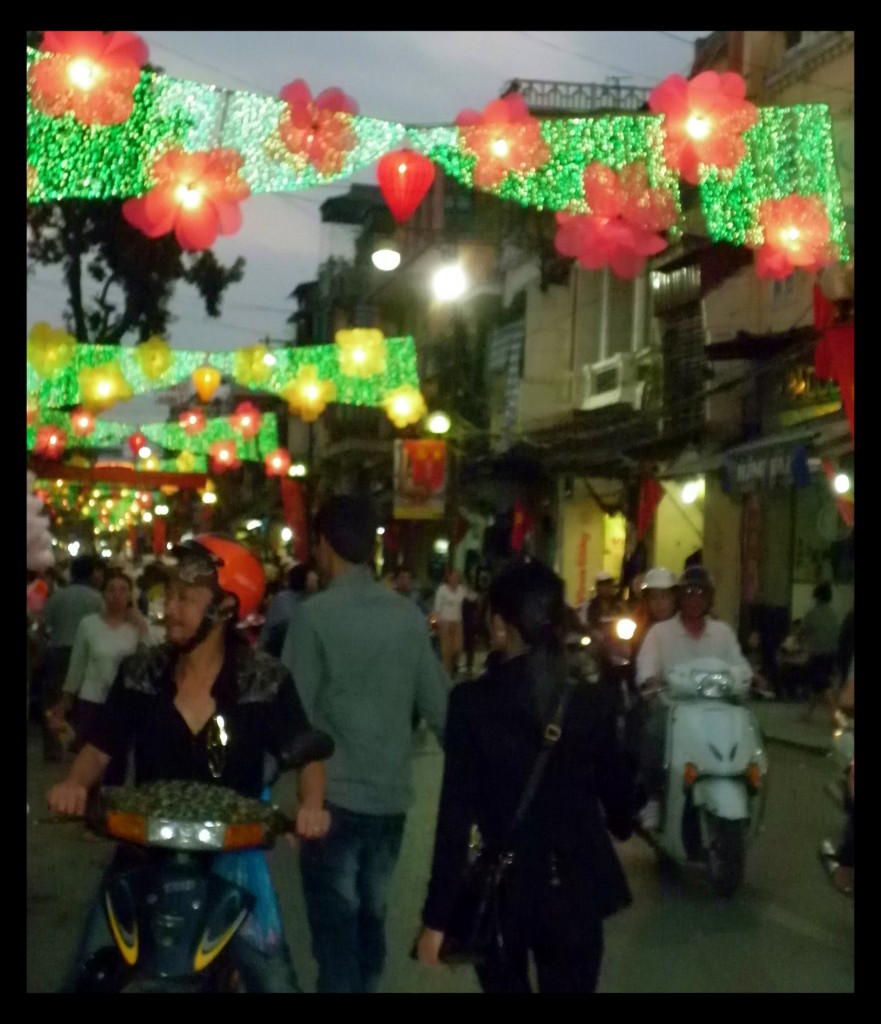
<point x="102" y="641"/>
<point x="689" y="634"/>
<point x="448" y="612"/>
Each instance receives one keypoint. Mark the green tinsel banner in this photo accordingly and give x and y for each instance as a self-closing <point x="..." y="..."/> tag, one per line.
<point x="169" y="436"/>
<point x="789" y="152"/>
<point x="246" y="366"/>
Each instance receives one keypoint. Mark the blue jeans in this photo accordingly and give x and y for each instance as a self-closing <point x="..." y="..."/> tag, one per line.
<point x="346" y="877"/>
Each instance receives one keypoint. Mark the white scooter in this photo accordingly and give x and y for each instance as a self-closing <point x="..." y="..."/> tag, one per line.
<point x="716" y="771"/>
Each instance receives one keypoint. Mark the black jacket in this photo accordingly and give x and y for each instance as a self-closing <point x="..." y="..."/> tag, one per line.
<point x="491" y="741"/>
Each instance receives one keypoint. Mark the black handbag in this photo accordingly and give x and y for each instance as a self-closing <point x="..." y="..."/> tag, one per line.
<point x="474" y="931"/>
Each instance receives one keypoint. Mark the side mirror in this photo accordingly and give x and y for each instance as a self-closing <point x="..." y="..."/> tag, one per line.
<point x="314" y="745"/>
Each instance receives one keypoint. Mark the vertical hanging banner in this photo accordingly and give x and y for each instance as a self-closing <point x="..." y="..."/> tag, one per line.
<point x="420" y="479"/>
<point x="295" y="516"/>
<point x="159" y="535"/>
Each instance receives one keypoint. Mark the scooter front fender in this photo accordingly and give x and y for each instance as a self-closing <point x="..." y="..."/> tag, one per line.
<point x="723" y="797"/>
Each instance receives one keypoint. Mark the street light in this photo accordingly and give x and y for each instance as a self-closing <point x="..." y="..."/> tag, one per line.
<point x="438" y="422"/>
<point x="449" y="283"/>
<point x="386" y="256"/>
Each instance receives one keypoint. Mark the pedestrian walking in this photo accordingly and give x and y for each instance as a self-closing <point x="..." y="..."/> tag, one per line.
<point x="65" y="608"/>
<point x="448" y="601"/>
<point x="361" y="659"/>
<point x="820" y="630"/>
<point x="565" y="877"/>
<point x="102" y="641"/>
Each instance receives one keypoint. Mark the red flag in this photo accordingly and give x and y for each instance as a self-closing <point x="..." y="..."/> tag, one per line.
<point x="834" y="354"/>
<point x="295" y="516"/>
<point x="159" y="538"/>
<point x="521" y="526"/>
<point x="650" y="494"/>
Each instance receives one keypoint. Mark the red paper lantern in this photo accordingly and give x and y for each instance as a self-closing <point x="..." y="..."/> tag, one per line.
<point x="136" y="442"/>
<point x="404" y="177"/>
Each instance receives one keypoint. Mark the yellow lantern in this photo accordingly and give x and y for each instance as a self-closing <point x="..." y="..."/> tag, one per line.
<point x="50" y="350"/>
<point x="102" y="386"/>
<point x="154" y="356"/>
<point x="252" y="365"/>
<point x="404" y="405"/>
<point x="307" y="395"/>
<point x="185" y="462"/>
<point x="361" y="352"/>
<point x="206" y="380"/>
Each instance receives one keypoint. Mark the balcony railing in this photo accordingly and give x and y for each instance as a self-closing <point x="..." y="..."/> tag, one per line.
<point x="573" y="98"/>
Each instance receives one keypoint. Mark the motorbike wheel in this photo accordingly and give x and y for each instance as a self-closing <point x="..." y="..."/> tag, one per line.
<point x="726" y="855"/>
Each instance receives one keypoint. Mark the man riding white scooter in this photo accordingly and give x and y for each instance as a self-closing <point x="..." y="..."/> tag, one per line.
<point x="703" y="755"/>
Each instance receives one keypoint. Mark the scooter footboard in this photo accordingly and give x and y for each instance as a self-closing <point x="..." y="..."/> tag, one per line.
<point x="723" y="797"/>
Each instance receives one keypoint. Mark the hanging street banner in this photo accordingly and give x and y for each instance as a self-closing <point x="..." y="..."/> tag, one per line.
<point x="420" y="479"/>
<point x="764" y="467"/>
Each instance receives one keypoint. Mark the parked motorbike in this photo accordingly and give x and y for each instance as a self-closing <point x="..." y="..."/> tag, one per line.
<point x="172" y="919"/>
<point x="716" y="771"/>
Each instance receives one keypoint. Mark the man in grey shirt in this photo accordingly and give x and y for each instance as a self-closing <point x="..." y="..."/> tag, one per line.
<point x="361" y="659"/>
<point x="62" y="614"/>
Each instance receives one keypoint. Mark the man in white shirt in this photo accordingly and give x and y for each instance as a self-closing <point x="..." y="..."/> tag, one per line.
<point x="448" y="610"/>
<point x="689" y="634"/>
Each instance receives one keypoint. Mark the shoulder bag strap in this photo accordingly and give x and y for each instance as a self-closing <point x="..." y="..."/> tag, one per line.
<point x="552" y="733"/>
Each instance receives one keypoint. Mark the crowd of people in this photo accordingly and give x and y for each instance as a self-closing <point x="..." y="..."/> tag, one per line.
<point x="344" y="652"/>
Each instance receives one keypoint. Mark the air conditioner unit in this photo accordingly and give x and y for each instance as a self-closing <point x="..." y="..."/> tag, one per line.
<point x="612" y="381"/>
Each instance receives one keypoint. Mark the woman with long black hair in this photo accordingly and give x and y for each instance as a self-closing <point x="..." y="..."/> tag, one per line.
<point x="565" y="877"/>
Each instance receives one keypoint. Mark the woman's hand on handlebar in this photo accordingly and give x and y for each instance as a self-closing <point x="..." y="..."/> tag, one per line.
<point x="68" y="797"/>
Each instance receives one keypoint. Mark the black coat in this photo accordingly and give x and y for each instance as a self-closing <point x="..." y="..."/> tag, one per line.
<point x="491" y="741"/>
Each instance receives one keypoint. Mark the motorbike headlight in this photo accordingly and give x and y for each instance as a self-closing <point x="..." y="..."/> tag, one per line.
<point x="625" y="628"/>
<point x="713" y="684"/>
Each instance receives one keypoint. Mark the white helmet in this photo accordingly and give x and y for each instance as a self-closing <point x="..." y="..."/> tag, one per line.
<point x="658" y="579"/>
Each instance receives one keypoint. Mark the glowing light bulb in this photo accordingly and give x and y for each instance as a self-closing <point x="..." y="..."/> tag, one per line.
<point x="104" y="388"/>
<point x="188" y="196"/>
<point x="286" y="534"/>
<point x="53" y="439"/>
<point x="500" y="147"/>
<point x="841" y="483"/>
<point x="359" y="355"/>
<point x="402" y="406"/>
<point x="246" y="421"/>
<point x="311" y="392"/>
<point x="697" y="127"/>
<point x="84" y="74"/>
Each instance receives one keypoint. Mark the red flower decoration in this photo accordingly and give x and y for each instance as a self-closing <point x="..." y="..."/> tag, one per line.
<point x="192" y="421"/>
<point x="82" y="422"/>
<point x="504" y="138"/>
<point x="277" y="463"/>
<point x="246" y="419"/>
<point x="223" y="456"/>
<point x="196" y="195"/>
<point x="621" y="229"/>
<point x="319" y="130"/>
<point x="91" y="75"/>
<point x="704" y="120"/>
<point x="50" y="441"/>
<point x="796" y="232"/>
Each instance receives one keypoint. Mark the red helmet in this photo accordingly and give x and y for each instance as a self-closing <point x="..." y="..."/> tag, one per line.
<point x="238" y="571"/>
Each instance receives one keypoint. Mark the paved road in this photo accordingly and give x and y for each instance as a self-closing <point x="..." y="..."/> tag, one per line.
<point x="787" y="931"/>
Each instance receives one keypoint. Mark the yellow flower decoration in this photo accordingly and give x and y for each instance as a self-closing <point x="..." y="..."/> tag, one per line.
<point x="50" y="350"/>
<point x="404" y="405"/>
<point x="307" y="395"/>
<point x="361" y="352"/>
<point x="185" y="462"/>
<point x="251" y="366"/>
<point x="154" y="356"/>
<point x="33" y="180"/>
<point x="103" y="386"/>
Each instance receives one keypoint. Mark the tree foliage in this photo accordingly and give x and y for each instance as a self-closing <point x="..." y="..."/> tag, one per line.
<point x="118" y="280"/>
